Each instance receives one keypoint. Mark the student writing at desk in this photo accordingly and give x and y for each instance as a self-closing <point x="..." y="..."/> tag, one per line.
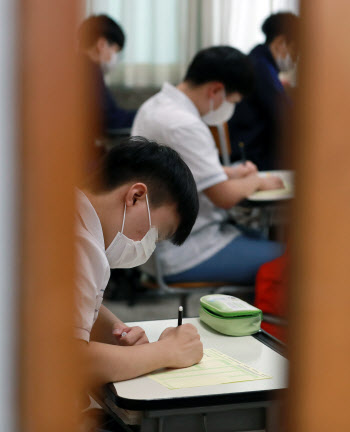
<point x="142" y="193"/>
<point x="217" y="78"/>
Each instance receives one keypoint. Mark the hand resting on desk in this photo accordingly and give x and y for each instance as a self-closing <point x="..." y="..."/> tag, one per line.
<point x="271" y="183"/>
<point x="230" y="192"/>
<point x="134" y="335"/>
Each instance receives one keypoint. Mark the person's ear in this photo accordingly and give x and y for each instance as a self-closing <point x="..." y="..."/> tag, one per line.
<point x="135" y="193"/>
<point x="215" y="88"/>
<point x="101" y="44"/>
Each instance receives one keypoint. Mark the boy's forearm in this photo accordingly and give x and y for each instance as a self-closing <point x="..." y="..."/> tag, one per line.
<point x="230" y="192"/>
<point x="107" y="363"/>
<point x="246" y="186"/>
<point x="102" y="329"/>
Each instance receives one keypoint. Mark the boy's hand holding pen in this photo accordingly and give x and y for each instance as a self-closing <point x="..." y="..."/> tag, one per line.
<point x="182" y="343"/>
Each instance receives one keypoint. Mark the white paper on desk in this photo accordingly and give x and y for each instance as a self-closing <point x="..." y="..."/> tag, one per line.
<point x="214" y="368"/>
<point x="276" y="194"/>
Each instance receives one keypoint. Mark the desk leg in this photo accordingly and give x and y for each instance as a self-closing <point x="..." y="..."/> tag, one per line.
<point x="160" y="424"/>
<point x="273" y="417"/>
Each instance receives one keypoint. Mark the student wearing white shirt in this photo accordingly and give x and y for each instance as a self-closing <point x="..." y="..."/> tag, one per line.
<point x="216" y="250"/>
<point x="142" y="193"/>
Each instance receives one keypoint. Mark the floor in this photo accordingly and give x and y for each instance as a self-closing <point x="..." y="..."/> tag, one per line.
<point x="151" y="308"/>
<point x="149" y="304"/>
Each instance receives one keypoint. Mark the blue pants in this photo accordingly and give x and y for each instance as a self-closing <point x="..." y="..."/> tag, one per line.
<point x="237" y="263"/>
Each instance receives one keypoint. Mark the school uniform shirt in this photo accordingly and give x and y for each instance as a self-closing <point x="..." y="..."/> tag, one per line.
<point x="171" y="118"/>
<point x="93" y="269"/>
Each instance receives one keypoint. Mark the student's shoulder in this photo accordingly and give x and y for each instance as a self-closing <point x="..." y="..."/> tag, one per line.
<point x="166" y="114"/>
<point x="93" y="268"/>
<point x="263" y="64"/>
<point x="182" y="123"/>
<point x="88" y="248"/>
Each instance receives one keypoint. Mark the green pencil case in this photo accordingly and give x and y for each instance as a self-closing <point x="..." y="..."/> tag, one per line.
<point x="229" y="315"/>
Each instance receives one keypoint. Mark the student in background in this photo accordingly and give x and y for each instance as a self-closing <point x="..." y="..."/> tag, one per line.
<point x="215" y="81"/>
<point x="140" y="194"/>
<point x="258" y="119"/>
<point x="100" y="41"/>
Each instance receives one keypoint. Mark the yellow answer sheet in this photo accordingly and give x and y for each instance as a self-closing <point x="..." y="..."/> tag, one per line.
<point x="214" y="368"/>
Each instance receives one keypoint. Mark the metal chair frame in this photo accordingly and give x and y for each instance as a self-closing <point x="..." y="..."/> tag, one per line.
<point x="207" y="288"/>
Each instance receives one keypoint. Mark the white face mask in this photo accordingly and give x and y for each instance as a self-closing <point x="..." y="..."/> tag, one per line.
<point x="110" y="65"/>
<point x="219" y="115"/>
<point x="124" y="252"/>
<point x="285" y="64"/>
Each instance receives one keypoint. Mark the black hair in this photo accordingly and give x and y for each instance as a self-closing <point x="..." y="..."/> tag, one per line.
<point x="97" y="26"/>
<point x="282" y="23"/>
<point x="167" y="177"/>
<point x="224" y="64"/>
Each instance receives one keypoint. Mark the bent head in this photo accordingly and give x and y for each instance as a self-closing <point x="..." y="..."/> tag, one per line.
<point x="101" y="38"/>
<point x="221" y="77"/>
<point x="281" y="31"/>
<point x="141" y="184"/>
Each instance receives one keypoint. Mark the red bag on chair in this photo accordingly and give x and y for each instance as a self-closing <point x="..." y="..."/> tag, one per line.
<point x="271" y="293"/>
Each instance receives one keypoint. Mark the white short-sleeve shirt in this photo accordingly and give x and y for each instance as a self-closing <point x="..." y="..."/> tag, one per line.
<point x="171" y="118"/>
<point x="93" y="269"/>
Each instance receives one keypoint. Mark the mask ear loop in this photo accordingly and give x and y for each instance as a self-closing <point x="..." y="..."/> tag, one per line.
<point x="149" y="213"/>
<point x="123" y="218"/>
<point x="211" y="103"/>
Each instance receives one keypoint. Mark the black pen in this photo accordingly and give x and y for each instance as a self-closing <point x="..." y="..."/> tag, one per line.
<point x="243" y="156"/>
<point x="179" y="319"/>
